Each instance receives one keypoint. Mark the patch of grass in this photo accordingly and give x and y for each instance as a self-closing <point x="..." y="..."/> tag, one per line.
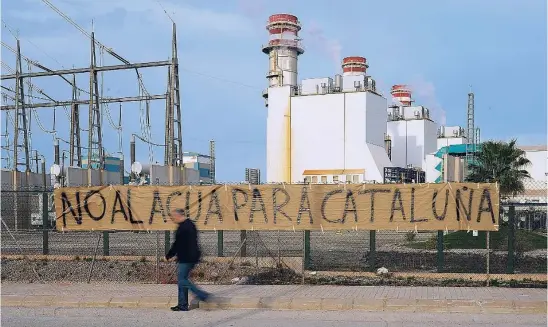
<point x="525" y="241"/>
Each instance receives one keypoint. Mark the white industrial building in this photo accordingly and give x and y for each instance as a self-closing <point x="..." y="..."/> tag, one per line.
<point x="341" y="129"/>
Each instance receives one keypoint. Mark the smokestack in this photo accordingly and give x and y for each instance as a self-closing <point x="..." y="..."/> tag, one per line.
<point x="354" y="66"/>
<point x="402" y="94"/>
<point x="283" y="48"/>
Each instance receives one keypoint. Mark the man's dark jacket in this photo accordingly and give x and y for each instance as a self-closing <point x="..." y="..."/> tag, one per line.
<point x="186" y="246"/>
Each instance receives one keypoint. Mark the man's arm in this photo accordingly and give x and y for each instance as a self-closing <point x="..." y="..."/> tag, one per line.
<point x="173" y="250"/>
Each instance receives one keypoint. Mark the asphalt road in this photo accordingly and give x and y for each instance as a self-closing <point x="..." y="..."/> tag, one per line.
<point x="51" y="317"/>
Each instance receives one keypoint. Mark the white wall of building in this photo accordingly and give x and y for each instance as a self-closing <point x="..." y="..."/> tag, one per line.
<point x="278" y="131"/>
<point x="412" y="140"/>
<point x="337" y="131"/>
<point x="447" y="141"/>
<point x="431" y="172"/>
<point x="317" y="133"/>
<point x="538" y="155"/>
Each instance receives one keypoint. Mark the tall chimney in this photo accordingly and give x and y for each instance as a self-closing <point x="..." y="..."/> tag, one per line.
<point x="402" y="94"/>
<point x="354" y="66"/>
<point x="283" y="48"/>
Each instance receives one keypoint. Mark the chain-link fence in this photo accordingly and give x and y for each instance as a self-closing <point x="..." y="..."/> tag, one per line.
<point x="33" y="250"/>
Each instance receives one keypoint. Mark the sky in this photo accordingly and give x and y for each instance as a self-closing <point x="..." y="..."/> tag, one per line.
<point x="440" y="48"/>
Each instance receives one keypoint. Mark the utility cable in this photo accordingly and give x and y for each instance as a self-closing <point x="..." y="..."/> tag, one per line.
<point x="37" y="64"/>
<point x="108" y="50"/>
<point x="147" y="141"/>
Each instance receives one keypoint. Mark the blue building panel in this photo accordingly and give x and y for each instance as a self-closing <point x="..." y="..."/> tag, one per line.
<point x="204" y="172"/>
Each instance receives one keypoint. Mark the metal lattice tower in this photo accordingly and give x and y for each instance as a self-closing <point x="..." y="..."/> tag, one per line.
<point x="212" y="161"/>
<point x="75" y="150"/>
<point x="174" y="136"/>
<point x="95" y="143"/>
<point x="470" y="130"/>
<point x="20" y="138"/>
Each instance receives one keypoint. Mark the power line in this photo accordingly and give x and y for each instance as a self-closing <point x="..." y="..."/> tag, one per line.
<point x="147" y="141"/>
<point x="102" y="46"/>
<point x="165" y="11"/>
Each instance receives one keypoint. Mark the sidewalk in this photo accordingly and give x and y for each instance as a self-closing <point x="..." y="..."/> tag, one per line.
<point x="288" y="297"/>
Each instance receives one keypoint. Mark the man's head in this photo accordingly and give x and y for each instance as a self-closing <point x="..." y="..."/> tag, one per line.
<point x="178" y="216"/>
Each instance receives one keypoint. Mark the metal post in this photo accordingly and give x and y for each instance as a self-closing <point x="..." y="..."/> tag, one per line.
<point x="372" y="250"/>
<point x="440" y="258"/>
<point x="106" y="244"/>
<point x="220" y="244"/>
<point x="488" y="256"/>
<point x="45" y="221"/>
<point x="132" y="157"/>
<point x="306" y="249"/>
<point x="511" y="239"/>
<point x="243" y="248"/>
<point x="157" y="257"/>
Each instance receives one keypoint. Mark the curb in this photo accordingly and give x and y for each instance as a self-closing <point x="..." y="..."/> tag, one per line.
<point x="285" y="303"/>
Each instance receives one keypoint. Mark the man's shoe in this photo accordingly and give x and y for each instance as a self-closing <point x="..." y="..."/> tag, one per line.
<point x="179" y="308"/>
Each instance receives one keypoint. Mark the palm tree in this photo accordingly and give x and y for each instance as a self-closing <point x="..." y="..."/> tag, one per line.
<point x="500" y="162"/>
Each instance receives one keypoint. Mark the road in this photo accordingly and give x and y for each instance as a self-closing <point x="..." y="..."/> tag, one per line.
<point x="54" y="317"/>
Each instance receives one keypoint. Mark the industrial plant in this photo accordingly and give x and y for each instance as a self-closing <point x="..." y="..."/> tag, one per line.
<point x="338" y="129"/>
<point x="341" y="129"/>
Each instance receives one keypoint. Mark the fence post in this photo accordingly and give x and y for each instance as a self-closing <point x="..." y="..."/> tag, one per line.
<point x="306" y="253"/>
<point x="106" y="244"/>
<point x="167" y="241"/>
<point x="220" y="243"/>
<point x="440" y="257"/>
<point x="372" y="250"/>
<point x="511" y="239"/>
<point x="45" y="223"/>
<point x="243" y="241"/>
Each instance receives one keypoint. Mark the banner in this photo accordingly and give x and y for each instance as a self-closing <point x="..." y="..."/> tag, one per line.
<point x="451" y="206"/>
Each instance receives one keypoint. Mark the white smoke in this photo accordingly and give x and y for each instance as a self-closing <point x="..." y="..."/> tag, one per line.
<point x="426" y="92"/>
<point x="330" y="47"/>
<point x="252" y="8"/>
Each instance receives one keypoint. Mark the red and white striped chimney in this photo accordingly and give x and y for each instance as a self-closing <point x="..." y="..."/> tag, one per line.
<point x="354" y="66"/>
<point x="402" y="94"/>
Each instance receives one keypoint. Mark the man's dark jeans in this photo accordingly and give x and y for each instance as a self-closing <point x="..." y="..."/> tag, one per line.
<point x="185" y="284"/>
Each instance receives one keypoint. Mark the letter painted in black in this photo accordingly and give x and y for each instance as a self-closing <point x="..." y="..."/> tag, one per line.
<point x="324" y="204"/>
<point x="237" y="206"/>
<point x="397" y="197"/>
<point x="459" y="204"/>
<point x="278" y="207"/>
<point x="86" y="205"/>
<point x="168" y="202"/>
<point x="434" y="210"/>
<point x="130" y="213"/>
<point x="302" y="208"/>
<point x="373" y="192"/>
<point x="214" y="201"/>
<point x="188" y="204"/>
<point x="157" y="206"/>
<point x="350" y="201"/>
<point x="486" y="197"/>
<point x="413" y="220"/>
<point x="257" y="197"/>
<point x="68" y="206"/>
<point x="118" y="201"/>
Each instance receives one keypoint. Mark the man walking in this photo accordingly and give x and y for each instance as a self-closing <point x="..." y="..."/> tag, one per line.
<point x="188" y="254"/>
